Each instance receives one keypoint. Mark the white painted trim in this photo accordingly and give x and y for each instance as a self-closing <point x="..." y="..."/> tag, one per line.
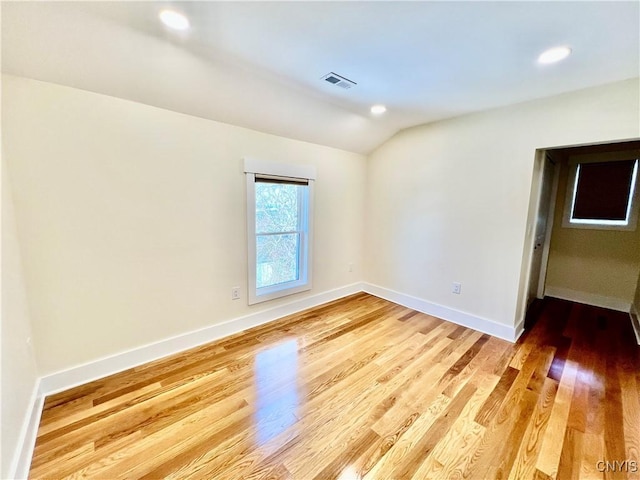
<point x="528" y="256"/>
<point x="635" y="321"/>
<point x="21" y="463"/>
<point x="253" y="165"/>
<point x="551" y="218"/>
<point x="480" y="324"/>
<point x="611" y="303"/>
<point x="102" y="367"/>
<point x="305" y="259"/>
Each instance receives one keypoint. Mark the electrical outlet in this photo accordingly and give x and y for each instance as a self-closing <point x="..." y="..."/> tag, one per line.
<point x="456" y="288"/>
<point x="351" y="267"/>
<point x="235" y="293"/>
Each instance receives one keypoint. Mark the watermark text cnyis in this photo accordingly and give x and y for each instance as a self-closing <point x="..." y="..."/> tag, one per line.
<point x="629" y="466"/>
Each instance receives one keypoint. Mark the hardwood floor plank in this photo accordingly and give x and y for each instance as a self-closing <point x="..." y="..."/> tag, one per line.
<point x="593" y="452"/>
<point x="405" y="444"/>
<point x="613" y="422"/>
<point x="549" y="457"/>
<point x="506" y="428"/>
<point x="631" y="418"/>
<point x="413" y="395"/>
<point x="503" y="436"/>
<point x="494" y="401"/>
<point x="524" y="464"/>
<point x="183" y="457"/>
<point x="351" y="453"/>
<point x="363" y="388"/>
<point x="455" y="451"/>
<point x="557" y="365"/>
<point x="278" y="472"/>
<point x="65" y="464"/>
<point x="154" y="449"/>
<point x="317" y="419"/>
<point x="434" y="434"/>
<point x="385" y="444"/>
<point x="505" y="359"/>
<point x="569" y="466"/>
<point x="480" y="366"/>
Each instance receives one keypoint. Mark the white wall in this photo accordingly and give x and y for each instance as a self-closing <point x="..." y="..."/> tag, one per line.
<point x="449" y="201"/>
<point x="19" y="372"/>
<point x="132" y="218"/>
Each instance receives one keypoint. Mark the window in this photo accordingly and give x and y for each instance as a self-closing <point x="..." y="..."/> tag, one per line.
<point x="602" y="195"/>
<point x="279" y="221"/>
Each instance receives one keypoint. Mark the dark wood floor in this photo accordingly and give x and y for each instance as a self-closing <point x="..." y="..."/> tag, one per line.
<point x="364" y="388"/>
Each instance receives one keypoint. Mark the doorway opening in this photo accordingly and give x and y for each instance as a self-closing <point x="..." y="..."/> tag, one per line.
<point x="594" y="261"/>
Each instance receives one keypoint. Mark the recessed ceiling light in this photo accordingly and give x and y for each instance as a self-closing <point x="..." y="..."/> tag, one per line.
<point x="554" y="55"/>
<point x="173" y="19"/>
<point x="378" y="109"/>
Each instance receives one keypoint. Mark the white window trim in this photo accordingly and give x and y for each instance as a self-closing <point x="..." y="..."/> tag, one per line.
<point x="253" y="168"/>
<point x="263" y="167"/>
<point x="629" y="224"/>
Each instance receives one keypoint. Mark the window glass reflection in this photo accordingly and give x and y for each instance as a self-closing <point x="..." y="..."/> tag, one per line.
<point x="276" y="382"/>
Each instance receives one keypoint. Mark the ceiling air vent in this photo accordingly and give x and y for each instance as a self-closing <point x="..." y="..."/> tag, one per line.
<point x="339" y="80"/>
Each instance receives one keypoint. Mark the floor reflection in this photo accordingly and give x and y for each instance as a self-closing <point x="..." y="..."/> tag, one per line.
<point x="276" y="381"/>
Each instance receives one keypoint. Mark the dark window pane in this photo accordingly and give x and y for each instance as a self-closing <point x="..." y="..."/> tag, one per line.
<point x="603" y="189"/>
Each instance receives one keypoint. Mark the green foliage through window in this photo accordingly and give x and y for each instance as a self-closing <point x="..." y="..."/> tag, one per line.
<point x="278" y="226"/>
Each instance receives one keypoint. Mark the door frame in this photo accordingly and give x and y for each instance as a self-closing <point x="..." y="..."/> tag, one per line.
<point x="535" y="203"/>
<point x="553" y="200"/>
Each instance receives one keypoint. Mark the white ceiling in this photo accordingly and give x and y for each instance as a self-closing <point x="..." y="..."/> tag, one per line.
<point x="259" y="64"/>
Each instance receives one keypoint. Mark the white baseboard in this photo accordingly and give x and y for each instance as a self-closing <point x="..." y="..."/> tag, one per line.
<point x="480" y="324"/>
<point x="21" y="463"/>
<point x="602" y="301"/>
<point x="102" y="367"/>
<point x="635" y="321"/>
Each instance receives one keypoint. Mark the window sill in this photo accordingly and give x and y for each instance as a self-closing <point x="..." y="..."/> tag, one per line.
<point x="272" y="294"/>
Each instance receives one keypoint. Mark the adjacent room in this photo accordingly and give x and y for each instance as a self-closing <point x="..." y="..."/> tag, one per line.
<point x="320" y="240"/>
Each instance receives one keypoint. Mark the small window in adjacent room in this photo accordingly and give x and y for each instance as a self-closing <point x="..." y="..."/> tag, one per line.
<point x="279" y="225"/>
<point x="602" y="195"/>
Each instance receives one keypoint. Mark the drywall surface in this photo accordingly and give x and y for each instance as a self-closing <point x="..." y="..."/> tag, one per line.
<point x="598" y="264"/>
<point x="448" y="202"/>
<point x="132" y="218"/>
<point x="63" y="43"/>
<point x="19" y="372"/>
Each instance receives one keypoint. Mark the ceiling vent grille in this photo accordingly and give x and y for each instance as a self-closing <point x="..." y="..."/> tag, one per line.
<point x="339" y="80"/>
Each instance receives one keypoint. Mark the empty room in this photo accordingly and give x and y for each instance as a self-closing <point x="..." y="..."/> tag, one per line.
<point x="320" y="240"/>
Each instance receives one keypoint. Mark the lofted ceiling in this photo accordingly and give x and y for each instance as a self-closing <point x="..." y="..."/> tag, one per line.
<point x="260" y="64"/>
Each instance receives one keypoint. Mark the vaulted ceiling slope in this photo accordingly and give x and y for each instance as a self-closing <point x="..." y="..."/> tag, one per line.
<point x="260" y="64"/>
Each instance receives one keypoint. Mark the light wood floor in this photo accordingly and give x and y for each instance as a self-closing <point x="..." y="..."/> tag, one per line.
<point x="363" y="388"/>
